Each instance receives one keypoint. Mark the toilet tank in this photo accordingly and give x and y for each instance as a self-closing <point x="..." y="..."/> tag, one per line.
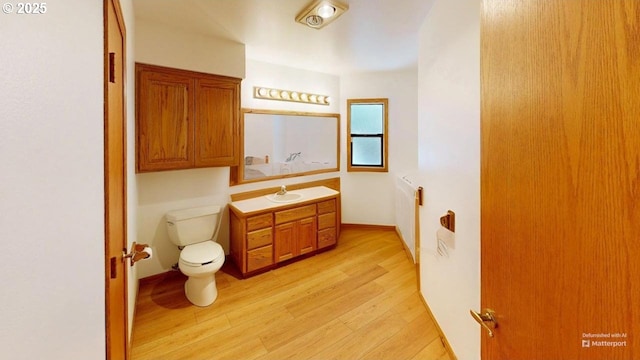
<point x="192" y="226"/>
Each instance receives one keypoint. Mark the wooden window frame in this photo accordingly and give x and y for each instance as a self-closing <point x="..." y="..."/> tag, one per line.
<point x="384" y="136"/>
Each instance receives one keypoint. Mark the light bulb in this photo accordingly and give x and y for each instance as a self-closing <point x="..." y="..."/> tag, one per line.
<point x="273" y="93"/>
<point x="304" y="97"/>
<point x="326" y="11"/>
<point x="284" y="95"/>
<point x="295" y="96"/>
<point x="262" y="92"/>
<point x="313" y="98"/>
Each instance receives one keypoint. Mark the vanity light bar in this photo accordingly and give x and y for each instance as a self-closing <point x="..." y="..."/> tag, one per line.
<point x="288" y="95"/>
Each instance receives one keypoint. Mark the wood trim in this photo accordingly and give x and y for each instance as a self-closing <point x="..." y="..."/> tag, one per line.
<point x="368" y="227"/>
<point x="189" y="73"/>
<point x="443" y="338"/>
<point x="418" y="202"/>
<point x="385" y="136"/>
<point x="404" y="244"/>
<point x="286" y="112"/>
<point x="332" y="183"/>
<point x="237" y="171"/>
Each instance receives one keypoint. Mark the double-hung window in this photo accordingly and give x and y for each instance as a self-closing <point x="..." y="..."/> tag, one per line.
<point x="367" y="145"/>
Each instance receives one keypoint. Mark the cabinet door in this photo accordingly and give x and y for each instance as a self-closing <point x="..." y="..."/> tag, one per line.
<point x="217" y="116"/>
<point x="295" y="238"/>
<point x="285" y="241"/>
<point x="164" y="120"/>
<point x="306" y="235"/>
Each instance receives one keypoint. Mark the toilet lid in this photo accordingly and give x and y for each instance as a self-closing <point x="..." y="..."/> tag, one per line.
<point x="201" y="253"/>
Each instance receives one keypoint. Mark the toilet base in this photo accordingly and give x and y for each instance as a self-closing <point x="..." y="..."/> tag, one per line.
<point x="201" y="291"/>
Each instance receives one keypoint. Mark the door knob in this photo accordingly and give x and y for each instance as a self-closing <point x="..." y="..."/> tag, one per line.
<point x="487" y="316"/>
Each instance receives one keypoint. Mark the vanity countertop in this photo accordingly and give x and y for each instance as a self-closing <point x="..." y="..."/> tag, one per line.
<point x="261" y="203"/>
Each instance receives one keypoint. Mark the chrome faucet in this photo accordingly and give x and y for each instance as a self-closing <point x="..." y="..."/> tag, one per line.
<point x="283" y="190"/>
<point x="293" y="156"/>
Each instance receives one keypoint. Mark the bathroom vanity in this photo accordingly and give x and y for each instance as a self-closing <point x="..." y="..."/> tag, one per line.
<point x="268" y="230"/>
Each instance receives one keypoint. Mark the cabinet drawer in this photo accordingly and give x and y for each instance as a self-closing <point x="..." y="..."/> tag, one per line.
<point x="327" y="206"/>
<point x="326" y="237"/>
<point x="295" y="213"/>
<point x="326" y="220"/>
<point x="259" y="222"/>
<point x="259" y="258"/>
<point x="258" y="238"/>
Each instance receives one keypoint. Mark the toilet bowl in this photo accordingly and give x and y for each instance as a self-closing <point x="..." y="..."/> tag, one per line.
<point x="200" y="262"/>
<point x="195" y="230"/>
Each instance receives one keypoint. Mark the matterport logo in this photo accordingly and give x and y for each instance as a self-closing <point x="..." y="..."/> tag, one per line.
<point x="614" y="340"/>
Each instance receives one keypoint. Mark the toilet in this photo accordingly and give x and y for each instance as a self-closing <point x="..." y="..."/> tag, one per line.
<point x="195" y="231"/>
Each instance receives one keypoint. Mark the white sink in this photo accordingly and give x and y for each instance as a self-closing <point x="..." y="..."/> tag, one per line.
<point x="285" y="198"/>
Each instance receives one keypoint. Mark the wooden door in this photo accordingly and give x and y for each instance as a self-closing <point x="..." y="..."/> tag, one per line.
<point x="307" y="240"/>
<point x="284" y="241"/>
<point x="560" y="178"/>
<point x="217" y="118"/>
<point x="164" y="119"/>
<point x="115" y="184"/>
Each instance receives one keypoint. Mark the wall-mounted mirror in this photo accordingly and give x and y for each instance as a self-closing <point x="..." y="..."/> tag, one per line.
<point x="278" y="144"/>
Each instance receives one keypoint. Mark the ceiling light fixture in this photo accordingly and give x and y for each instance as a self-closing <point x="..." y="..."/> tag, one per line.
<point x="320" y="13"/>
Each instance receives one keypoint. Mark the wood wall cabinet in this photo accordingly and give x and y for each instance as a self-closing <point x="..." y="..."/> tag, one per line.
<point x="263" y="239"/>
<point x="185" y="119"/>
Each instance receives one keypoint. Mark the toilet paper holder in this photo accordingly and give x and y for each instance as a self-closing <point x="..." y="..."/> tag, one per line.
<point x="448" y="221"/>
<point x="138" y="252"/>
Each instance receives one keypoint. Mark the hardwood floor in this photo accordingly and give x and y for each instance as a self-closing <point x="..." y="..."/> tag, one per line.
<point x="357" y="301"/>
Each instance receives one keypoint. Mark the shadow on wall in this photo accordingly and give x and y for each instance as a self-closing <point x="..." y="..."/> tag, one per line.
<point x="178" y="185"/>
<point x="167" y="253"/>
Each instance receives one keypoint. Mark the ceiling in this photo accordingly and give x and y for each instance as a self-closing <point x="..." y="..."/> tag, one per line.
<point x="373" y="35"/>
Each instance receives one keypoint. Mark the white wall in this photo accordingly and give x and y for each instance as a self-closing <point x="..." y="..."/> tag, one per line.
<point x="51" y="183"/>
<point x="449" y="161"/>
<point x="369" y="198"/>
<point x="165" y="45"/>
<point x="289" y="78"/>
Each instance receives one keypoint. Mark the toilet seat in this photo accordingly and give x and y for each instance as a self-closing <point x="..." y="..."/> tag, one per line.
<point x="201" y="254"/>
